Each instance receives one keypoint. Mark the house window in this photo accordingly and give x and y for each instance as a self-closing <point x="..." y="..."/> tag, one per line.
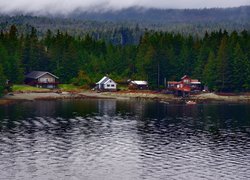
<point x="112" y="85"/>
<point x="108" y="85"/>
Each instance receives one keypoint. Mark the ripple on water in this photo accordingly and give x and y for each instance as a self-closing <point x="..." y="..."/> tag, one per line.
<point x="174" y="143"/>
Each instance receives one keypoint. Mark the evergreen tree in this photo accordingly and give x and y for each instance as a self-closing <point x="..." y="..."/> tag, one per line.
<point x="223" y="65"/>
<point x="220" y="59"/>
<point x="2" y="80"/>
<point x="210" y="73"/>
<point x="240" y="69"/>
<point x="82" y="79"/>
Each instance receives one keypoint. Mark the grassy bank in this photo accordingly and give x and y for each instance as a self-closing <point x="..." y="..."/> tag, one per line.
<point x="26" y="88"/>
<point x="69" y="87"/>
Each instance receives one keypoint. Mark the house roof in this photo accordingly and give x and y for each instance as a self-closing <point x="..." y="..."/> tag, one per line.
<point x="185" y="76"/>
<point x="195" y="82"/>
<point x="104" y="80"/>
<point x="139" y="82"/>
<point x="38" y="74"/>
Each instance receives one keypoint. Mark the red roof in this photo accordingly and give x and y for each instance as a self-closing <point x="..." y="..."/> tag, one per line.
<point x="184" y="77"/>
<point x="194" y="80"/>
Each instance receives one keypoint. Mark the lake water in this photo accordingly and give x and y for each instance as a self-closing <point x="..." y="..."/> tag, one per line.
<point x="119" y="139"/>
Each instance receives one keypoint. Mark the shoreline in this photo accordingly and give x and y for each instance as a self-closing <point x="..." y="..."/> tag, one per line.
<point x="123" y="95"/>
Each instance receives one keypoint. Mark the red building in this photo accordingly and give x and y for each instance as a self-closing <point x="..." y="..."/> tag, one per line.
<point x="185" y="86"/>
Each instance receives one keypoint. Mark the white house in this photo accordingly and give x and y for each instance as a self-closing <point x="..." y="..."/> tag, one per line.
<point x="106" y="84"/>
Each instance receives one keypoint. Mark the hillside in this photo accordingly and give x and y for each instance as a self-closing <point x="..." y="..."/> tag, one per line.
<point x="169" y="16"/>
<point x="126" y="26"/>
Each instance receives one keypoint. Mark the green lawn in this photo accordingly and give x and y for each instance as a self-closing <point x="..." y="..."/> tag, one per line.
<point x="68" y="87"/>
<point x="63" y="87"/>
<point x="122" y="87"/>
<point x="26" y="88"/>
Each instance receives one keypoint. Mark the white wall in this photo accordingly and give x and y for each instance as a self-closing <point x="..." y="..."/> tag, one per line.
<point x="110" y="85"/>
<point x="46" y="78"/>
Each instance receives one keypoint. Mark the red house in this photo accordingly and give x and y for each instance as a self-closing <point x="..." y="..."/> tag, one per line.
<point x="185" y="86"/>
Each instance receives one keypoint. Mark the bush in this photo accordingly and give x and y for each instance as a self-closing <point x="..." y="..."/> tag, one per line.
<point x="82" y="79"/>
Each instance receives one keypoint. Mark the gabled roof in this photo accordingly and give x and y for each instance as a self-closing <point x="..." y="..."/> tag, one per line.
<point x="38" y="74"/>
<point x="186" y="76"/>
<point x="139" y="82"/>
<point x="195" y="81"/>
<point x="104" y="80"/>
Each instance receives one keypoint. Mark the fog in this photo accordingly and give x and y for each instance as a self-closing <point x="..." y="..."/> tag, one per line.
<point x="69" y="6"/>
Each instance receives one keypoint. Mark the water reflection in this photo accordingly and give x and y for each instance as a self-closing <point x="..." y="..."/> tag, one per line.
<point x="107" y="107"/>
<point x="110" y="139"/>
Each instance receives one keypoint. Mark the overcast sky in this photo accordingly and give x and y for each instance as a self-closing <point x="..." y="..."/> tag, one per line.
<point x="67" y="6"/>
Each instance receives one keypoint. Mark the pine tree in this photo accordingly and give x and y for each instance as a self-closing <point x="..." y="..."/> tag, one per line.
<point x="2" y="80"/>
<point x="82" y="79"/>
<point x="223" y="72"/>
<point x="240" y="67"/>
<point x="210" y="73"/>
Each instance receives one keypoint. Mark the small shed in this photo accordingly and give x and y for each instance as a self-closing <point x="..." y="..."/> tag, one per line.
<point x="41" y="79"/>
<point x="141" y="85"/>
<point x="106" y="84"/>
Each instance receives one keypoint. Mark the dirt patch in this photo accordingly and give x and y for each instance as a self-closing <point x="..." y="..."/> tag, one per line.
<point x="6" y="101"/>
<point x="225" y="97"/>
<point x="227" y="94"/>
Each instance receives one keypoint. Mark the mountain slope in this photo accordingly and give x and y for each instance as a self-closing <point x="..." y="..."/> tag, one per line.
<point x="132" y="22"/>
<point x="167" y="16"/>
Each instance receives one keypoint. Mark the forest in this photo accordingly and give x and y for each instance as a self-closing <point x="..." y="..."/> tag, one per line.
<point x="133" y="22"/>
<point x="221" y="60"/>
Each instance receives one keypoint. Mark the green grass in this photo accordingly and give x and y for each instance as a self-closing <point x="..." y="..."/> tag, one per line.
<point x="63" y="87"/>
<point x="26" y="88"/>
<point x="122" y="87"/>
<point x="68" y="87"/>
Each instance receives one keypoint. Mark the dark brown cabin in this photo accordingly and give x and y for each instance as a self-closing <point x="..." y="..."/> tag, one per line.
<point x="42" y="79"/>
<point x="138" y="85"/>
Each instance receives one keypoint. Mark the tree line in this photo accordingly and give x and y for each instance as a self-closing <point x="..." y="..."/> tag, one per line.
<point x="126" y="26"/>
<point x="221" y="60"/>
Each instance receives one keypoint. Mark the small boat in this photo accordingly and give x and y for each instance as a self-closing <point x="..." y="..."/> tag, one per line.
<point x="164" y="102"/>
<point x="190" y="102"/>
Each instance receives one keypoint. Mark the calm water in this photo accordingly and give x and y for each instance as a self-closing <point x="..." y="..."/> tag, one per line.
<point x="130" y="140"/>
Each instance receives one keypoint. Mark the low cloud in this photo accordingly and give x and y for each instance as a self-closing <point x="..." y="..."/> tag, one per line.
<point x="65" y="7"/>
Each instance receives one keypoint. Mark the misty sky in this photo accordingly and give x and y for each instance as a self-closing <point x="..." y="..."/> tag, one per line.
<point x="68" y="6"/>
